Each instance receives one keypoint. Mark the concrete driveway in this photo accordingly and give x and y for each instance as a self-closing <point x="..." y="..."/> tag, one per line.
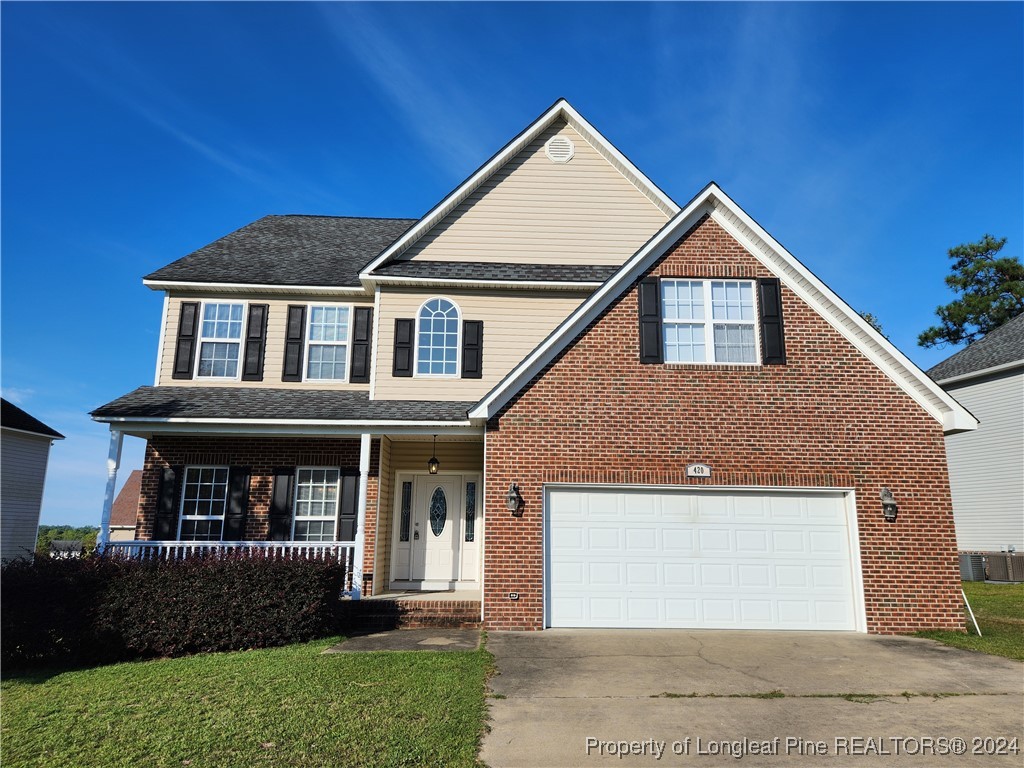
<point x="710" y="698"/>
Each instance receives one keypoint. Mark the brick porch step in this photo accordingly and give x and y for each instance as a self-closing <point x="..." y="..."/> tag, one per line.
<point x="381" y="614"/>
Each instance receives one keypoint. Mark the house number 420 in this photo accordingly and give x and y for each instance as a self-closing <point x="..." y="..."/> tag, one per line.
<point x="698" y="470"/>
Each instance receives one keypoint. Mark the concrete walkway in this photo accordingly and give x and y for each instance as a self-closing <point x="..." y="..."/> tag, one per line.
<point x="573" y="697"/>
<point x="410" y="640"/>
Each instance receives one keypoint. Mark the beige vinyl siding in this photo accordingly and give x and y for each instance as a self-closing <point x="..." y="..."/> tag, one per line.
<point x="23" y="458"/>
<point x="274" y="353"/>
<point x="535" y="211"/>
<point x="986" y="467"/>
<point x="514" y="324"/>
<point x="385" y="519"/>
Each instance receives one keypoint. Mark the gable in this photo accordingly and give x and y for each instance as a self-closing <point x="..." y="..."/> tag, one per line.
<point x="536" y="211"/>
<point x="759" y="245"/>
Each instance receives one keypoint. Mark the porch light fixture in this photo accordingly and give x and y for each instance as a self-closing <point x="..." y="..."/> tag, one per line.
<point x="889" y="508"/>
<point x="513" y="501"/>
<point x="433" y="464"/>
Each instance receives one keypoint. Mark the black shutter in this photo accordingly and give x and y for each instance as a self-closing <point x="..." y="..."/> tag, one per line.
<point x="165" y="524"/>
<point x="255" y="342"/>
<point x="773" y="340"/>
<point x="404" y="335"/>
<point x="185" y="349"/>
<point x="295" y="336"/>
<point x="649" y="302"/>
<point x="281" y="504"/>
<point x="362" y="327"/>
<point x="348" y="506"/>
<point x="473" y="349"/>
<point x="238" y="504"/>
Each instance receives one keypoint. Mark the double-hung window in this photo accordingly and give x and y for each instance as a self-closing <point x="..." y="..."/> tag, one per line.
<point x="327" y="343"/>
<point x="709" y="321"/>
<point x="220" y="339"/>
<point x="203" y="501"/>
<point x="437" y="339"/>
<point x="316" y="504"/>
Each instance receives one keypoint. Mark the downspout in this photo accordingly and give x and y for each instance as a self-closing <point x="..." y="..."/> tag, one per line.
<point x="364" y="478"/>
<point x="113" y="463"/>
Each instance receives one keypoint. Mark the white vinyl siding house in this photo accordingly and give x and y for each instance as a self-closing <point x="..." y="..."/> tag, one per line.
<point x="986" y="467"/>
<point x="24" y="455"/>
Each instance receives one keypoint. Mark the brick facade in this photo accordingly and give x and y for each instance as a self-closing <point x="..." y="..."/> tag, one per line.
<point x="828" y="418"/>
<point x="262" y="455"/>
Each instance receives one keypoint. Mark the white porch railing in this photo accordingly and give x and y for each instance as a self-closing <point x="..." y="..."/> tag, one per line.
<point x="342" y="552"/>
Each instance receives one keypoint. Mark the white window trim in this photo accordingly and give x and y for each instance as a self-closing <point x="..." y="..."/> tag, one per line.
<point x="316" y="518"/>
<point x="709" y="321"/>
<point x="241" y="340"/>
<point x="182" y="517"/>
<point x="458" y="343"/>
<point x="347" y="343"/>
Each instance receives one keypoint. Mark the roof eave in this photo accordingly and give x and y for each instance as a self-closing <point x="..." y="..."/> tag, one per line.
<point x="263" y="288"/>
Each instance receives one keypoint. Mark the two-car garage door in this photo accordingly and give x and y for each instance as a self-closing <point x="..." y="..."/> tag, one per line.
<point x="707" y="559"/>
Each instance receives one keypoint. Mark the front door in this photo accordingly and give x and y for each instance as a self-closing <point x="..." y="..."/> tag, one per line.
<point x="436" y="524"/>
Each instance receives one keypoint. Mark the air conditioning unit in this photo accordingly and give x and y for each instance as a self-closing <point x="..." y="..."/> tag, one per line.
<point x="1003" y="566"/>
<point x="972" y="567"/>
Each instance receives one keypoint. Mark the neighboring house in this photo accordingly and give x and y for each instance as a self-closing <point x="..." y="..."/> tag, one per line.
<point x="986" y="467"/>
<point x="126" y="508"/>
<point x="24" y="452"/>
<point x="558" y="393"/>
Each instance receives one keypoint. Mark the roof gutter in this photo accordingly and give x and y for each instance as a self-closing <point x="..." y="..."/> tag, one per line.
<point x="981" y="373"/>
<point x="278" y="289"/>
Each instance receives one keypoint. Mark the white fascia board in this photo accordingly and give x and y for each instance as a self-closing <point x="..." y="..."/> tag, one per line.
<point x="286" y="427"/>
<point x="588" y="311"/>
<point x="30" y="433"/>
<point x="560" y="108"/>
<point x="882" y="352"/>
<point x="981" y="373"/>
<point x="943" y="408"/>
<point x="478" y="283"/>
<point x="275" y="288"/>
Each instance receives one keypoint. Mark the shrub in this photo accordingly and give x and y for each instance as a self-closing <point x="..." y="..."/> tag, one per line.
<point x="103" y="609"/>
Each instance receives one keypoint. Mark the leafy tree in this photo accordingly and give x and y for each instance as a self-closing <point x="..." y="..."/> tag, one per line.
<point x="48" y="533"/>
<point x="873" y="321"/>
<point x="991" y="288"/>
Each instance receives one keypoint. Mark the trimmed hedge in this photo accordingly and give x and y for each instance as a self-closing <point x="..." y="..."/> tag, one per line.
<point x="100" y="609"/>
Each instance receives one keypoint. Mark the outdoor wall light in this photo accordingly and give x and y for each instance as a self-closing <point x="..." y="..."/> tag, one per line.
<point x="889" y="509"/>
<point x="433" y="465"/>
<point x="513" y="501"/>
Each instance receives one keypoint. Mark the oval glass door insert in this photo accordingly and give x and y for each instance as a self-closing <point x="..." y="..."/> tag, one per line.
<point x="438" y="511"/>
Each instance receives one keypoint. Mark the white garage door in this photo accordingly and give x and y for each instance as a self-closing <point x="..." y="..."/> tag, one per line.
<point x="708" y="559"/>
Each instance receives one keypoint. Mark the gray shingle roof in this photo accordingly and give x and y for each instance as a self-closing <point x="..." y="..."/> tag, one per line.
<point x="1003" y="345"/>
<point x="12" y="417"/>
<point x="267" y="403"/>
<point x="289" y="250"/>
<point x="477" y="270"/>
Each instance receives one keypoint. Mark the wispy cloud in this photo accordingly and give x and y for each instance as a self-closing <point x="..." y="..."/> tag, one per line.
<point x="407" y="65"/>
<point x="17" y="395"/>
<point x="103" y="65"/>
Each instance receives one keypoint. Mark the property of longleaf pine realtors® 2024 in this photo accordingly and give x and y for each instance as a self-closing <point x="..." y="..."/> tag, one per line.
<point x="792" y="745"/>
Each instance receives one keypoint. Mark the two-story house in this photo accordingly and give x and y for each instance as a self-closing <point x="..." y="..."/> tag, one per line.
<point x="558" y="394"/>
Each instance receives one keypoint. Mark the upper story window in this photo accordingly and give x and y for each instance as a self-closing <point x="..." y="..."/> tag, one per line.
<point x="437" y="339"/>
<point x="709" y="321"/>
<point x="327" y="343"/>
<point x="203" y="501"/>
<point x="220" y="337"/>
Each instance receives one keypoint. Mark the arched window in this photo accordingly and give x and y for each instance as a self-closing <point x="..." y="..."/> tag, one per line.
<point x="437" y="339"/>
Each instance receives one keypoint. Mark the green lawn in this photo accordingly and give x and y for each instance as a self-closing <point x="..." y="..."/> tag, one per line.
<point x="286" y="706"/>
<point x="999" y="609"/>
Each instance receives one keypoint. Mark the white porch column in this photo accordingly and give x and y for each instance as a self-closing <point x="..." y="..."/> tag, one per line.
<point x="113" y="463"/>
<point x="364" y="479"/>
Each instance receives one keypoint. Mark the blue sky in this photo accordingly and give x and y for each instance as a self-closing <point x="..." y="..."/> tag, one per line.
<point x="867" y="138"/>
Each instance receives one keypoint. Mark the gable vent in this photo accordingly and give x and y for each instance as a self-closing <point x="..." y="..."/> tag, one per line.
<point x="560" y="149"/>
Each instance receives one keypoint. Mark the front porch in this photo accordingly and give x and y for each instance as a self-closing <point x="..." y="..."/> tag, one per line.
<point x="368" y="502"/>
<point x="412" y="609"/>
